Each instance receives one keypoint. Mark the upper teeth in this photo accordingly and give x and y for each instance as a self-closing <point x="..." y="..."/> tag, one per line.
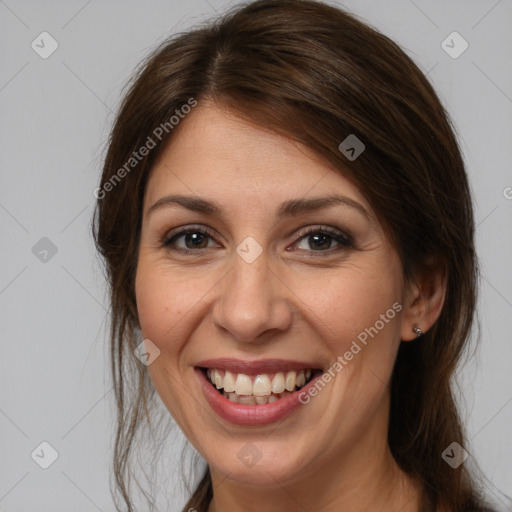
<point x="262" y="385"/>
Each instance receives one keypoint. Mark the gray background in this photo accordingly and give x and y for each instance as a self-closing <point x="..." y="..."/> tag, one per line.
<point x="55" y="118"/>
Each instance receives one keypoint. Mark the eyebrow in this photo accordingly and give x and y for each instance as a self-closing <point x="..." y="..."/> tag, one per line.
<point x="286" y="209"/>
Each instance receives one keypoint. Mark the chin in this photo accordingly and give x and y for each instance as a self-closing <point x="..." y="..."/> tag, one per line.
<point x="258" y="463"/>
<point x="262" y="474"/>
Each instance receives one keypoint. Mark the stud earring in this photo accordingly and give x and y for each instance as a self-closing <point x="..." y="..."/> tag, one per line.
<point x="417" y="330"/>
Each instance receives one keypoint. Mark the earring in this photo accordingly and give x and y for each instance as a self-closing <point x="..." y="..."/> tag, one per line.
<point x="417" y="330"/>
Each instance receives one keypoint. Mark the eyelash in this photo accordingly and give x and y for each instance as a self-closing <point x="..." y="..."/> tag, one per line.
<point x="345" y="241"/>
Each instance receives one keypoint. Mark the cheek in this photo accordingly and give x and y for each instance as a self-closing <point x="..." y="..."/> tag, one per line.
<point x="163" y="301"/>
<point x="358" y="315"/>
<point x="349" y="303"/>
<point x="160" y="303"/>
<point x="154" y="305"/>
<point x="168" y="300"/>
<point x="363" y="339"/>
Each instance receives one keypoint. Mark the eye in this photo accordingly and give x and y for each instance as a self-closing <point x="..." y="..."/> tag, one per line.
<point x="322" y="239"/>
<point x="319" y="240"/>
<point x="189" y="239"/>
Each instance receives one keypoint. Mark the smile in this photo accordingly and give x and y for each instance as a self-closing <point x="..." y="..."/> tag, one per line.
<point x="255" y="392"/>
<point x="259" y="389"/>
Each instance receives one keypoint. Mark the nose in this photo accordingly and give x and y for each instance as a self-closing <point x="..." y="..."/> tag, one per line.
<point x="252" y="303"/>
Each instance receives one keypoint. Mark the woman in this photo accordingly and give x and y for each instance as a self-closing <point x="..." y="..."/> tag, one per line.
<point x="286" y="222"/>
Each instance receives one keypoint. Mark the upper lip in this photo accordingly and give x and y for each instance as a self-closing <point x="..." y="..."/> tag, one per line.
<point x="256" y="367"/>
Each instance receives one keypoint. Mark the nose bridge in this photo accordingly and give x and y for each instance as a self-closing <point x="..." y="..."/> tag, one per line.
<point x="250" y="303"/>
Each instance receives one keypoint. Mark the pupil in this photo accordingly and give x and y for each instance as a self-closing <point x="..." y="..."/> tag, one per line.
<point x="321" y="241"/>
<point x="196" y="239"/>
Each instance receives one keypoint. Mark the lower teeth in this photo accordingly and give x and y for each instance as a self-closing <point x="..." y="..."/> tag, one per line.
<point x="254" y="400"/>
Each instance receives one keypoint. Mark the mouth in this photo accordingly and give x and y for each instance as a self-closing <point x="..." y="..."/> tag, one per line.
<point x="256" y="393"/>
<point x="260" y="388"/>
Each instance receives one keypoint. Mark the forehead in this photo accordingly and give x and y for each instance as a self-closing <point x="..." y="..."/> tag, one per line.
<point x="215" y="152"/>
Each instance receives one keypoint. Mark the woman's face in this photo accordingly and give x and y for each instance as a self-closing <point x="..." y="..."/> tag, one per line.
<point x="244" y="260"/>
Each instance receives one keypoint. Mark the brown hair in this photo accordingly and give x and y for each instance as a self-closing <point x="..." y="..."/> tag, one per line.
<point x="315" y="74"/>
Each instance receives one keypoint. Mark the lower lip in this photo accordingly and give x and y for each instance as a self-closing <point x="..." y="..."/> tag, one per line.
<point x="242" y="414"/>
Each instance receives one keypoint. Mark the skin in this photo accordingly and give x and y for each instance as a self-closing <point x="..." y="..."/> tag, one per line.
<point x="297" y="300"/>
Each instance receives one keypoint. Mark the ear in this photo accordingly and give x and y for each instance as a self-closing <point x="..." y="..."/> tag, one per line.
<point x="424" y="299"/>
